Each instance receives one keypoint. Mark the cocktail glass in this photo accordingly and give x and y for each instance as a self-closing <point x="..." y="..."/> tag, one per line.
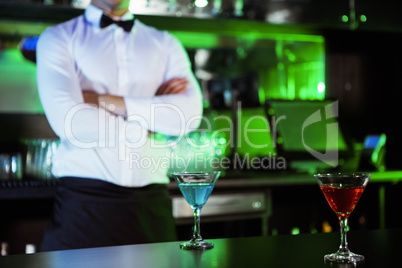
<point x="342" y="192"/>
<point x="196" y="188"/>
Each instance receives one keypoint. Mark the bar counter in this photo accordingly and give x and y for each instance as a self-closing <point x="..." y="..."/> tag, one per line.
<point x="381" y="248"/>
<point x="20" y="189"/>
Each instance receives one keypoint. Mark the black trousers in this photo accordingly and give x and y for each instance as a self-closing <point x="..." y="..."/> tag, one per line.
<point x="95" y="213"/>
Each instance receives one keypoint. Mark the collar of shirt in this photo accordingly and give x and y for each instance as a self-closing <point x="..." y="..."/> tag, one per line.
<point x="93" y="16"/>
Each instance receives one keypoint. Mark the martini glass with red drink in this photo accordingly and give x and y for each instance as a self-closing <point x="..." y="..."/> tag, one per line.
<point x="342" y="192"/>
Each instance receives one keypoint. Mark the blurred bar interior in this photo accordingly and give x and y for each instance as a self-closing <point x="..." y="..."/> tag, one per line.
<point x="258" y="62"/>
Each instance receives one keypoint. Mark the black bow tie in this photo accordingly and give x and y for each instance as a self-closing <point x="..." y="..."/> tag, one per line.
<point x="125" y="24"/>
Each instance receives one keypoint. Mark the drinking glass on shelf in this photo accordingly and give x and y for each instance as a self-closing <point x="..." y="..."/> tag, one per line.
<point x="196" y="188"/>
<point x="39" y="154"/>
<point x="10" y="166"/>
<point x="343" y="191"/>
<point x="5" y="166"/>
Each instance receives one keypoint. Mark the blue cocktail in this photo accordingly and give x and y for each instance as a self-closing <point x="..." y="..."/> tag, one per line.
<point x="196" y="187"/>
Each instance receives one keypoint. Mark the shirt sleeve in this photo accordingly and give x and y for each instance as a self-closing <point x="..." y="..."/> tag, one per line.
<point x="175" y="114"/>
<point x="62" y="99"/>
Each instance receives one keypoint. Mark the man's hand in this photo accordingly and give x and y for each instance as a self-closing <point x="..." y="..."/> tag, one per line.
<point x="111" y="103"/>
<point x="116" y="105"/>
<point x="90" y="97"/>
<point x="173" y="86"/>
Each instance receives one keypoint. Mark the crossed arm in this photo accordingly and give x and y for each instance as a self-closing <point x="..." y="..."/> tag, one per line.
<point x="174" y="109"/>
<point x="116" y="105"/>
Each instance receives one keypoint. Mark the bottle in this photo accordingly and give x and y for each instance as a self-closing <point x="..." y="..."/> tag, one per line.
<point x="30" y="249"/>
<point x="4" y="248"/>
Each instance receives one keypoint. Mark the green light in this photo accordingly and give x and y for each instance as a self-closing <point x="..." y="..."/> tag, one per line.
<point x="295" y="231"/>
<point x="218" y="152"/>
<point x="275" y="231"/>
<point x="381" y="199"/>
<point x="345" y="18"/>
<point x="261" y="95"/>
<point x="363" y="18"/>
<point x="305" y="80"/>
<point x="197" y="40"/>
<point x="222" y="141"/>
<point x="301" y="57"/>
<point x="320" y="87"/>
<point x="381" y="143"/>
<point x="201" y="3"/>
<point x="213" y="36"/>
<point x="18" y="73"/>
<point x="255" y="139"/>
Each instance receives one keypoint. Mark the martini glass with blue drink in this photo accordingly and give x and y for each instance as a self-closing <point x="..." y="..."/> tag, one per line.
<point x="196" y="188"/>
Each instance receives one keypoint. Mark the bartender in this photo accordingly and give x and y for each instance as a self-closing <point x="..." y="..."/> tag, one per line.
<point x="110" y="87"/>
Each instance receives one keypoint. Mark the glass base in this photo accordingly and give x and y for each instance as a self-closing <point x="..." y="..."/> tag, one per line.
<point x="197" y="244"/>
<point x="344" y="257"/>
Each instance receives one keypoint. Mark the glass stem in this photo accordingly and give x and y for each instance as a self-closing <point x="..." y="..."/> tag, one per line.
<point x="197" y="216"/>
<point x="343" y="222"/>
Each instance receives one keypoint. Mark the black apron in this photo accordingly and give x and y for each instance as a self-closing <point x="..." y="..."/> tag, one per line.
<point x="95" y="213"/>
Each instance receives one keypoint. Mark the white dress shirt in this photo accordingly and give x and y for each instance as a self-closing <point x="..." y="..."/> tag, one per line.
<point x="78" y="55"/>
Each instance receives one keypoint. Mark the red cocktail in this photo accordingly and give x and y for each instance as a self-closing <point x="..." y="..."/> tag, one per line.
<point x="342" y="192"/>
<point x="342" y="200"/>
